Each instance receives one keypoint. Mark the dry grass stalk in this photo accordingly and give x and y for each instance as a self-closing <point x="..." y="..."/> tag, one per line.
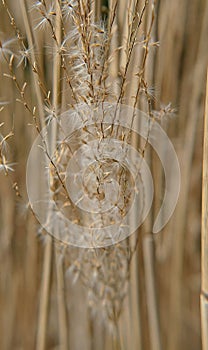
<point x="63" y="326"/>
<point x="44" y="296"/>
<point x="152" y="305"/>
<point x="135" y="307"/>
<point x="204" y="228"/>
<point x="31" y="44"/>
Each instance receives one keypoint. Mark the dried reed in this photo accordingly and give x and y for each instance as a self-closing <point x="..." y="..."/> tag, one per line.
<point x="204" y="261"/>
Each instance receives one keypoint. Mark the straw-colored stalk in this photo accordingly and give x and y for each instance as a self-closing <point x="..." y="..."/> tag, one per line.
<point x="152" y="306"/>
<point x="63" y="329"/>
<point x="45" y="284"/>
<point x="30" y="39"/>
<point x="204" y="235"/>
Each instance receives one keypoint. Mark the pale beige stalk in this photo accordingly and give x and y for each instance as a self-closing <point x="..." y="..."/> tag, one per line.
<point x="31" y="42"/>
<point x="45" y="285"/>
<point x="152" y="305"/>
<point x="63" y="331"/>
<point x="44" y="295"/>
<point x="204" y="235"/>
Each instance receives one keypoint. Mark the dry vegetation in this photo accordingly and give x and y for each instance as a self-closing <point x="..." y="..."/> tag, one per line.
<point x="144" y="292"/>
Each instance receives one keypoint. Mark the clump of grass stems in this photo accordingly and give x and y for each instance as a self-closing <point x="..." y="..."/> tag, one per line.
<point x="82" y="56"/>
<point x="73" y="53"/>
